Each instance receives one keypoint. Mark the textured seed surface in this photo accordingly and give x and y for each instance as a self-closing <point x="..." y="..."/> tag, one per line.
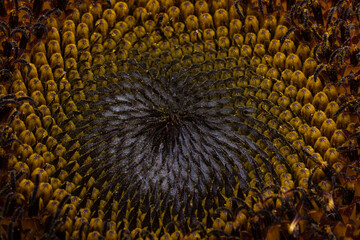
<point x="179" y="119"/>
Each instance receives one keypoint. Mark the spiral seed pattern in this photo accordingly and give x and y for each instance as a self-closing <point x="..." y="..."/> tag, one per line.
<point x="157" y="119"/>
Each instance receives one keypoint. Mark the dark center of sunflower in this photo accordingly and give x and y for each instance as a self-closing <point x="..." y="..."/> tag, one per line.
<point x="173" y="135"/>
<point x="172" y="124"/>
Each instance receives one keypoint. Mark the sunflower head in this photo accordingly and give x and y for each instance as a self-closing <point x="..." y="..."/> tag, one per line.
<point x="179" y="119"/>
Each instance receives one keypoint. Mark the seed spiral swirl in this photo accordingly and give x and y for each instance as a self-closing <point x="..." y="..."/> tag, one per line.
<point x="175" y="133"/>
<point x="162" y="119"/>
